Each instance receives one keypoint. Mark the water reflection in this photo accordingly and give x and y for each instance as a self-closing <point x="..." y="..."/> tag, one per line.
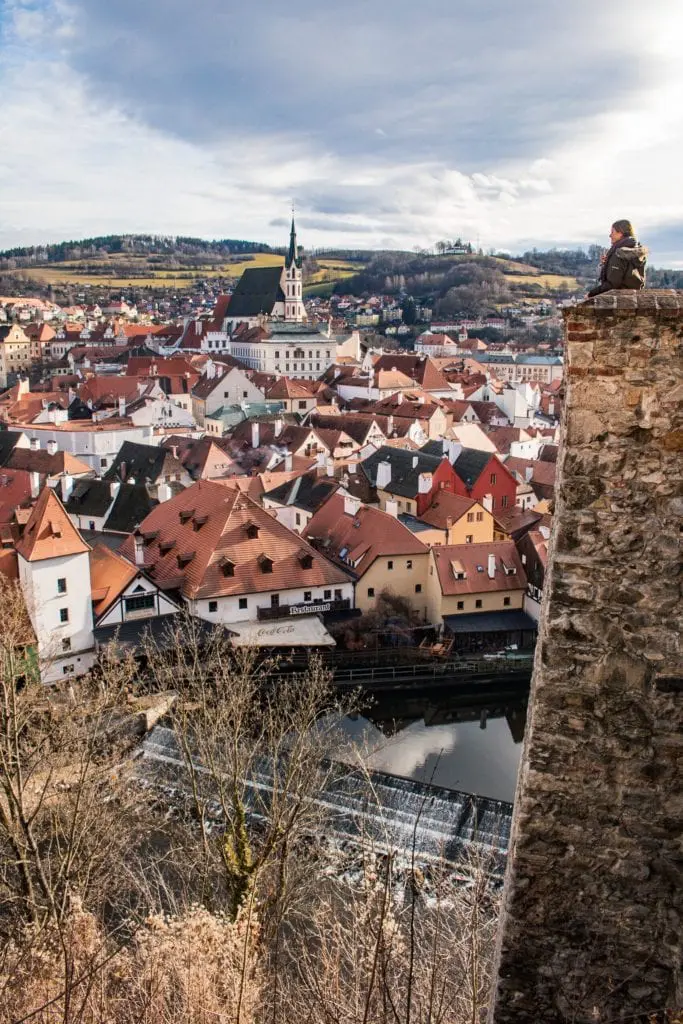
<point x="475" y="747"/>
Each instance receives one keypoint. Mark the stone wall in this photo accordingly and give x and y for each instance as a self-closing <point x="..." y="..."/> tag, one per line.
<point x="591" y="926"/>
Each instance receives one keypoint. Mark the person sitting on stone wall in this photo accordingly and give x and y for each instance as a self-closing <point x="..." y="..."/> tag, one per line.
<point x="623" y="265"/>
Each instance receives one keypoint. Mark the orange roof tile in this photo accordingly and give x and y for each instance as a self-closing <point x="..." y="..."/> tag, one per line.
<point x="363" y="537"/>
<point x="472" y="559"/>
<point x="190" y="538"/>
<point x="110" y="574"/>
<point x="49" y="533"/>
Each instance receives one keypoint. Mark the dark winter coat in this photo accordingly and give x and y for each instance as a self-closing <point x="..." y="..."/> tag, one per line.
<point x="623" y="268"/>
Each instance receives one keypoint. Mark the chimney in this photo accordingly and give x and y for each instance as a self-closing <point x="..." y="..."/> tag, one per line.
<point x="35" y="484"/>
<point x="67" y="486"/>
<point x="329" y="467"/>
<point x="528" y="473"/>
<point x="492" y="567"/>
<point x="454" y="451"/>
<point x="383" y="475"/>
<point x="139" y="550"/>
<point x="51" y="447"/>
<point x="279" y="424"/>
<point x="288" y="462"/>
<point x="255" y="435"/>
<point x="351" y="505"/>
<point x="174" y="451"/>
<point x="122" y="405"/>
<point x="487" y="502"/>
<point x="164" y="492"/>
<point x="352" y="468"/>
<point x="391" y="508"/>
<point x="415" y="461"/>
<point x="35" y="444"/>
<point x="424" y="483"/>
<point x="114" y="488"/>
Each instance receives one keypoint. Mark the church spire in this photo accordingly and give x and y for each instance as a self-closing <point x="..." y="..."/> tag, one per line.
<point x="293" y="254"/>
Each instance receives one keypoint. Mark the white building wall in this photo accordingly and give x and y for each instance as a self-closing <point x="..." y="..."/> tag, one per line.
<point x="97" y="447"/>
<point x="118" y="613"/>
<point x="39" y="581"/>
<point x="229" y="607"/>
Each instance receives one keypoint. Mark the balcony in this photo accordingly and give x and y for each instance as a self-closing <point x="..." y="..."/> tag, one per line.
<point x="286" y="611"/>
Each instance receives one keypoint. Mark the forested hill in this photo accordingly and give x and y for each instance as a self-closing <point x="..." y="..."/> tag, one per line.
<point x="131" y="245"/>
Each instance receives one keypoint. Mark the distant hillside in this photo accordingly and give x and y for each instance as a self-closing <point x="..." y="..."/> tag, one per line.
<point x="128" y="245"/>
<point x="469" y="283"/>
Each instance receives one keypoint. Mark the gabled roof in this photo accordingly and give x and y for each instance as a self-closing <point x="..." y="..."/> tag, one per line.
<point x="472" y="560"/>
<point x="307" y="492"/>
<point x="42" y="462"/>
<point x="8" y="443"/>
<point x="110" y="574"/>
<point x="131" y="506"/>
<point x="420" y="369"/>
<point x="89" y="498"/>
<point x="358" y="540"/>
<point x="49" y="533"/>
<point x="446" y="506"/>
<point x="190" y="538"/>
<point x="141" y="462"/>
<point x="406" y="467"/>
<point x="470" y="464"/>
<point x="257" y="292"/>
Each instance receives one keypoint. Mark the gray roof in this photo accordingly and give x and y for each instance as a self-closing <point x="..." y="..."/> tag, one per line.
<point x="8" y="442"/>
<point x="89" y="498"/>
<point x="132" y="505"/>
<point x="406" y="467"/>
<point x="143" y="463"/>
<point x="470" y="464"/>
<point x="257" y="292"/>
<point x="307" y="492"/>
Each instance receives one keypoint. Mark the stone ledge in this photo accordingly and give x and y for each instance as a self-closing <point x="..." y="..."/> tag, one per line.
<point x="660" y="302"/>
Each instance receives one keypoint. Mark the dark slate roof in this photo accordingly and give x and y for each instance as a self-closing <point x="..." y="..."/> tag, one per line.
<point x="132" y="505"/>
<point x="433" y="448"/>
<point x="143" y="462"/>
<point x="307" y="492"/>
<point x="470" y="464"/>
<point x="489" y="622"/>
<point x="160" y="628"/>
<point x="257" y="292"/>
<point x="8" y="442"/>
<point x="89" y="498"/>
<point x="406" y="467"/>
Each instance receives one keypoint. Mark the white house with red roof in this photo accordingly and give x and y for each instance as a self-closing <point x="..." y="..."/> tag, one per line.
<point x="54" y="571"/>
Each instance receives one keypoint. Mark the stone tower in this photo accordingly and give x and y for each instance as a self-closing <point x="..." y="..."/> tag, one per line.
<point x="293" y="283"/>
<point x="593" y="908"/>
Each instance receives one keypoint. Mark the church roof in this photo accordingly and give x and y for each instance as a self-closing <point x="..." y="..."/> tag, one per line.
<point x="293" y="253"/>
<point x="49" y="533"/>
<point x="257" y="292"/>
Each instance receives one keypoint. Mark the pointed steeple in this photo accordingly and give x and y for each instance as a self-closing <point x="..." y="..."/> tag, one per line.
<point x="293" y="254"/>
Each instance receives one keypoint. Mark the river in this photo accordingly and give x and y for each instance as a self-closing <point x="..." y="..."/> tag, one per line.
<point x="470" y="743"/>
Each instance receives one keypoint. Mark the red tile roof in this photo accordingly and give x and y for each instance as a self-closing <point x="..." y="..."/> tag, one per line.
<point x="180" y="555"/>
<point x="472" y="559"/>
<point x="110" y="574"/>
<point x="445" y="507"/>
<point x="49" y="533"/>
<point x="363" y="537"/>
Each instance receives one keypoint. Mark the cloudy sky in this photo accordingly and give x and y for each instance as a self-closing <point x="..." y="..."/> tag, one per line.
<point x="389" y="123"/>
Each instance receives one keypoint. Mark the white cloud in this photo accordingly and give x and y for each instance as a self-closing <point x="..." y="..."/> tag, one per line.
<point x="75" y="163"/>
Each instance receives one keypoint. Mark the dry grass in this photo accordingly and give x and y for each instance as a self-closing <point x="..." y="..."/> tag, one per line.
<point x="76" y="271"/>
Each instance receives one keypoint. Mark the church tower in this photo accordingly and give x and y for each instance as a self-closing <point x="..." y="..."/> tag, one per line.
<point x="293" y="281"/>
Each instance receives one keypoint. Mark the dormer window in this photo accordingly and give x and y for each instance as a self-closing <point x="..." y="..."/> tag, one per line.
<point x="166" y="545"/>
<point x="265" y="563"/>
<point x="198" y="522"/>
<point x="251" y="530"/>
<point x="227" y="567"/>
<point x="186" y="514"/>
<point x="305" y="559"/>
<point x="184" y="558"/>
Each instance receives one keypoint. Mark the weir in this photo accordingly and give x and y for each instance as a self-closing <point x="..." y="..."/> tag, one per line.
<point x="593" y="901"/>
<point x="386" y="811"/>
